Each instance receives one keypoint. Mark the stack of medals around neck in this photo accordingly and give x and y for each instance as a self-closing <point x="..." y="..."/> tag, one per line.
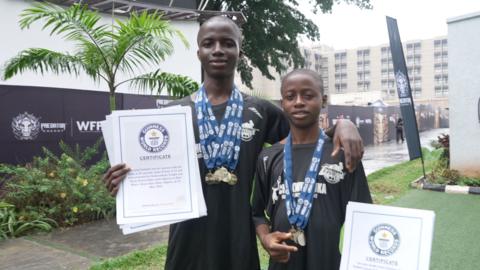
<point x="220" y="145"/>
<point x="298" y="210"/>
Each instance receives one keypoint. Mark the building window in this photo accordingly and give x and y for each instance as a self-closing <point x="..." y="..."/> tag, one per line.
<point x="363" y="53"/>
<point x="340" y="87"/>
<point x="340" y="56"/>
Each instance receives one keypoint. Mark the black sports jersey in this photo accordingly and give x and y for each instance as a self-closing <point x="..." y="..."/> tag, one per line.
<point x="334" y="188"/>
<point x="225" y="238"/>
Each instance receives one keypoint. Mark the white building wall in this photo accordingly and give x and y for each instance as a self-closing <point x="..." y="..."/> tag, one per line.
<point x="464" y="89"/>
<point x="183" y="61"/>
<point x="262" y="87"/>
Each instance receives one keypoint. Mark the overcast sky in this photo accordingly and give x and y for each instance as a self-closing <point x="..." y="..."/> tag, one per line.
<point x="349" y="26"/>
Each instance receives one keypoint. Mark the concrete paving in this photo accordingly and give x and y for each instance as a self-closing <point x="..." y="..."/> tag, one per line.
<point x="75" y="248"/>
<point x="25" y="254"/>
<point x="390" y="153"/>
<point x="81" y="246"/>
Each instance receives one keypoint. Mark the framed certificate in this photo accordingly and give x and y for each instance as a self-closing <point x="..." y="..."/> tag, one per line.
<point x="164" y="184"/>
<point x="386" y="237"/>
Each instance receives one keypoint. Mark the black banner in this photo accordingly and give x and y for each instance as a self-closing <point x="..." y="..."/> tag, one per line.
<point x="36" y="117"/>
<point x="407" y="106"/>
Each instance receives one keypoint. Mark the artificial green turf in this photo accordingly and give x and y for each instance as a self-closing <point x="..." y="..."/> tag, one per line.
<point x="457" y="226"/>
<point x="456" y="243"/>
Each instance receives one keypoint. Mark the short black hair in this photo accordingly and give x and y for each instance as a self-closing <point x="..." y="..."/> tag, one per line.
<point x="314" y="75"/>
<point x="220" y="18"/>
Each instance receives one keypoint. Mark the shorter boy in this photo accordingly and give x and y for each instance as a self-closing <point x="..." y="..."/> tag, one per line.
<point x="301" y="191"/>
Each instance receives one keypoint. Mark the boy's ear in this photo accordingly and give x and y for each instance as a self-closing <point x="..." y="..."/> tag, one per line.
<point x="242" y="53"/>
<point x="324" y="101"/>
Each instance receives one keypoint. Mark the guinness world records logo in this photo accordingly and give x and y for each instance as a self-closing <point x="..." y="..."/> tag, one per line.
<point x="384" y="239"/>
<point x="154" y="138"/>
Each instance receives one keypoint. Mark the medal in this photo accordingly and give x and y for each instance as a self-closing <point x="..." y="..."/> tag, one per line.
<point x="298" y="237"/>
<point x="221" y="175"/>
<point x="211" y="179"/>
<point x="298" y="210"/>
<point x="220" y="144"/>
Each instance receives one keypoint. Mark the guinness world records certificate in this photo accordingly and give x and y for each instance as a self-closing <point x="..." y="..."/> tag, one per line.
<point x="387" y="238"/>
<point x="159" y="147"/>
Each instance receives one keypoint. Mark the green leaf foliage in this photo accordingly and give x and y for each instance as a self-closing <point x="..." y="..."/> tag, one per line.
<point x="66" y="190"/>
<point x="13" y="225"/>
<point x="272" y="30"/>
<point x="102" y="51"/>
<point x="176" y="85"/>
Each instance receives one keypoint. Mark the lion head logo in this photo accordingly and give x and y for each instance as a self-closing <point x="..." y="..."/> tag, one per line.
<point x="25" y="126"/>
<point x="402" y="84"/>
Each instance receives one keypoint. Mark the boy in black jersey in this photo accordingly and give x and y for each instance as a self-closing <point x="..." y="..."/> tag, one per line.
<point x="225" y="238"/>
<point x="299" y="212"/>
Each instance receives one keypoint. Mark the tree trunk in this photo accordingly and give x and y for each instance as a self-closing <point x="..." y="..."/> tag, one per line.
<point x="112" y="96"/>
<point x="112" y="102"/>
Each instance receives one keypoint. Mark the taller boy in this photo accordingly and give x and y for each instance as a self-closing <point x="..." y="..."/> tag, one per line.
<point x="230" y="129"/>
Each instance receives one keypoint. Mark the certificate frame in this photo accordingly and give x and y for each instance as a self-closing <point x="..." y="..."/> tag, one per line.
<point x="387" y="237"/>
<point x="123" y="138"/>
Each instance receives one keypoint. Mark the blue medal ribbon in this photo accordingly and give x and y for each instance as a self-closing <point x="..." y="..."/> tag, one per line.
<point x="298" y="210"/>
<point x="220" y="145"/>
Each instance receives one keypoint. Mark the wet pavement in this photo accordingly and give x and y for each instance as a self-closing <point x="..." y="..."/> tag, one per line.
<point x="75" y="248"/>
<point x="81" y="246"/>
<point x="390" y="153"/>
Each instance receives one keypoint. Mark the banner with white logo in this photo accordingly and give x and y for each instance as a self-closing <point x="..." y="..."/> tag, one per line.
<point x="36" y="117"/>
<point x="407" y="107"/>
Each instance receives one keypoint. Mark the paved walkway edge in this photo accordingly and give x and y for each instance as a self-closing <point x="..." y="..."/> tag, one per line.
<point x="420" y="183"/>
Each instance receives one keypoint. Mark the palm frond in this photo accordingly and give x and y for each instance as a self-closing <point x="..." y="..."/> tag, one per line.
<point x="42" y="60"/>
<point x="93" y="60"/>
<point x="144" y="38"/>
<point x="76" y="23"/>
<point x="176" y="85"/>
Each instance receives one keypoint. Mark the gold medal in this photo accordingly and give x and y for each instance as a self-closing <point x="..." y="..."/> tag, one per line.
<point x="232" y="179"/>
<point x="221" y="175"/>
<point x="298" y="237"/>
<point x="210" y="178"/>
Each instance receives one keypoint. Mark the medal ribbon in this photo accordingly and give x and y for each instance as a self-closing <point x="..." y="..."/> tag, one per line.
<point x="220" y="145"/>
<point x="298" y="210"/>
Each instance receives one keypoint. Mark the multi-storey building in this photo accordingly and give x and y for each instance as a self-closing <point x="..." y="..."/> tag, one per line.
<point x="362" y="75"/>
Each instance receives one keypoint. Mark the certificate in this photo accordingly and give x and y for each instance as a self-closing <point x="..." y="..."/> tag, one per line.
<point x="164" y="183"/>
<point x="133" y="228"/>
<point x="386" y="237"/>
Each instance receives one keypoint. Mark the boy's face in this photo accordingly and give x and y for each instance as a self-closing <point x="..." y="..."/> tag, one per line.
<point x="218" y="48"/>
<point x="301" y="100"/>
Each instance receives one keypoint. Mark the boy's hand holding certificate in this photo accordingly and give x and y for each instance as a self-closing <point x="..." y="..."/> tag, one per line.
<point x="163" y="186"/>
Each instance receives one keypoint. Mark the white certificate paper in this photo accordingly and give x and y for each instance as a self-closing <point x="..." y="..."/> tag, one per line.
<point x="163" y="185"/>
<point x="386" y="237"/>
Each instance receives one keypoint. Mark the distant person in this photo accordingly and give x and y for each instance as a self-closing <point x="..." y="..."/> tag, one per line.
<point x="225" y="238"/>
<point x="399" y="128"/>
<point x="301" y="191"/>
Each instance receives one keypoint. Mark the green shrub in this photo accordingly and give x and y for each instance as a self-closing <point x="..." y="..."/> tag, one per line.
<point x="470" y="181"/>
<point x="10" y="226"/>
<point x="62" y="188"/>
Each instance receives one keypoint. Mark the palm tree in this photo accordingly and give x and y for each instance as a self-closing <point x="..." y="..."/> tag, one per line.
<point x="103" y="51"/>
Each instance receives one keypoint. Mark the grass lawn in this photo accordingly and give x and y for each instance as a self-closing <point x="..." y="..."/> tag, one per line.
<point x="456" y="242"/>
<point x="389" y="184"/>
<point x="456" y="228"/>
<point x="149" y="259"/>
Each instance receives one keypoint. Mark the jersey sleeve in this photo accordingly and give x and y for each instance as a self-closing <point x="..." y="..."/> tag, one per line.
<point x="354" y="188"/>
<point x="277" y="124"/>
<point x="360" y="191"/>
<point x="261" y="193"/>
